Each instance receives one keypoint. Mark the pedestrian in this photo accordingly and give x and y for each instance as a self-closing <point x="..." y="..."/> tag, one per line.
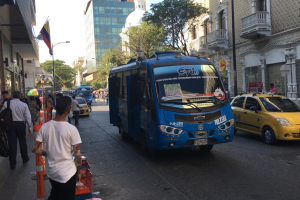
<point x="23" y="99"/>
<point x="107" y="98"/>
<point x="39" y="103"/>
<point x="17" y="131"/>
<point x="94" y="97"/>
<point x="60" y="138"/>
<point x="5" y="97"/>
<point x="76" y="109"/>
<point x="50" y="100"/>
<point x="33" y="110"/>
<point x="272" y="88"/>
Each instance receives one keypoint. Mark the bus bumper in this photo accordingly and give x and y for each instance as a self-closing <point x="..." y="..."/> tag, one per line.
<point x="191" y="139"/>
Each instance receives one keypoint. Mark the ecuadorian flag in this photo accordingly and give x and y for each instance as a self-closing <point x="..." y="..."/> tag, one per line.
<point x="46" y="36"/>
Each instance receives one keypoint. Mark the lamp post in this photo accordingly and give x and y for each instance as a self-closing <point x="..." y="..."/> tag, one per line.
<point x="53" y="62"/>
<point x="233" y="50"/>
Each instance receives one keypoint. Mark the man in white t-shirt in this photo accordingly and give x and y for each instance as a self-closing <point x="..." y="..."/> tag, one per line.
<point x="60" y="137"/>
<point x="76" y="109"/>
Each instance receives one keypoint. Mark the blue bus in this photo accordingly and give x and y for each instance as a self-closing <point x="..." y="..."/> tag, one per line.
<point x="170" y="101"/>
<point x="85" y="92"/>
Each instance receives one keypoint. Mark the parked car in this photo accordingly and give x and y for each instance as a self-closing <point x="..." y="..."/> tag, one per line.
<point x="273" y="117"/>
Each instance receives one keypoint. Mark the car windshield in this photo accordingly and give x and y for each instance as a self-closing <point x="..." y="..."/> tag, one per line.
<point x="189" y="85"/>
<point x="81" y="101"/>
<point x="277" y="104"/>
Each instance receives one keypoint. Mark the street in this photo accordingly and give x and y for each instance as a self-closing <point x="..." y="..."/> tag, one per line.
<point x="243" y="169"/>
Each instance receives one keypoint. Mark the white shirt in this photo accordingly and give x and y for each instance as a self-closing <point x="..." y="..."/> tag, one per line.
<point x="74" y="105"/>
<point x="19" y="111"/>
<point x="59" y="137"/>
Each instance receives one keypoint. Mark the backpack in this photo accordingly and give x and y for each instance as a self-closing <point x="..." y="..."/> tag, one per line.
<point x="3" y="144"/>
<point x="6" y="117"/>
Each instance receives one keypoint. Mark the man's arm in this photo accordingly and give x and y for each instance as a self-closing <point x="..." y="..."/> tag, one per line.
<point x="4" y="106"/>
<point x="36" y="149"/>
<point x="77" y="155"/>
<point x="27" y="116"/>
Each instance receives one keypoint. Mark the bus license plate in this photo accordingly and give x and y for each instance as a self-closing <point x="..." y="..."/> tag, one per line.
<point x="200" y="142"/>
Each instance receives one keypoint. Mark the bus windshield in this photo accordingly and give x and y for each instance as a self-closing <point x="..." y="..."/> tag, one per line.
<point x="181" y="86"/>
<point x="84" y="92"/>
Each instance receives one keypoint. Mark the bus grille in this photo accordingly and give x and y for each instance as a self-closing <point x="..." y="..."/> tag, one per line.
<point x="195" y="119"/>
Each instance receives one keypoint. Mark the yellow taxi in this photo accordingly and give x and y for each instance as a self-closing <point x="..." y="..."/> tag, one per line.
<point x="273" y="117"/>
<point x="84" y="109"/>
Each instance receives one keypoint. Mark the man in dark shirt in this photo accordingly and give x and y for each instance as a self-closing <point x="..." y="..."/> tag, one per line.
<point x="5" y="97"/>
<point x="23" y="99"/>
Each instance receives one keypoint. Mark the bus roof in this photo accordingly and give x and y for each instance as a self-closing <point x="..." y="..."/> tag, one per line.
<point x="164" y="58"/>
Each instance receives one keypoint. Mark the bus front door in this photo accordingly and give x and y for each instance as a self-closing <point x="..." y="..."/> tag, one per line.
<point x="133" y="99"/>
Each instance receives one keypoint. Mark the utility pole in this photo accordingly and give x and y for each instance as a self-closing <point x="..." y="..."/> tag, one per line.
<point x="233" y="50"/>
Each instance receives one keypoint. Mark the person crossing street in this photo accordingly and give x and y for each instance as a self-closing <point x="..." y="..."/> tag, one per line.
<point x="75" y="107"/>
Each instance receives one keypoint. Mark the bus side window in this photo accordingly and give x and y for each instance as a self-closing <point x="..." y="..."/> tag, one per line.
<point x="119" y="84"/>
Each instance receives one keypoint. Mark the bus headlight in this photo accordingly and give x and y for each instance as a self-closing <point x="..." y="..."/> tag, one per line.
<point x="170" y="130"/>
<point x="226" y="125"/>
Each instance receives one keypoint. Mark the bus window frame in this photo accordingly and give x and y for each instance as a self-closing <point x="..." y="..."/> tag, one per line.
<point x="186" y="110"/>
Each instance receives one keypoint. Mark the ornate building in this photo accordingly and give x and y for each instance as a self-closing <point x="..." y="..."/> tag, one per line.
<point x="134" y="19"/>
<point x="267" y="35"/>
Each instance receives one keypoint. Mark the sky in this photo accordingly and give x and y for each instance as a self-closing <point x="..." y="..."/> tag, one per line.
<point x="66" y="24"/>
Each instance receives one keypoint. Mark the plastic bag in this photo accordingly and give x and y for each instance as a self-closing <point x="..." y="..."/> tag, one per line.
<point x="3" y="144"/>
<point x="70" y="114"/>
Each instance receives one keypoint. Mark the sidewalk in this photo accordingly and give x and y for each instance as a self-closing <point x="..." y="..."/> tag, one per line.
<point x="17" y="183"/>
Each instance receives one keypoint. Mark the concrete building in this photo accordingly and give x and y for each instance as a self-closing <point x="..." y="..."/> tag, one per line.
<point x="17" y="42"/>
<point x="267" y="44"/>
<point x="80" y="61"/>
<point x="103" y="23"/>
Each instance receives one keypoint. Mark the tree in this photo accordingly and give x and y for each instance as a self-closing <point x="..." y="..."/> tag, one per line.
<point x="176" y="17"/>
<point x="112" y="58"/>
<point x="64" y="74"/>
<point x="145" y="38"/>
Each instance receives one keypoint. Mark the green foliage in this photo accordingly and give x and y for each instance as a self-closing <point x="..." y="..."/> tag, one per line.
<point x="96" y="84"/>
<point x="64" y="74"/>
<point x="176" y="17"/>
<point x="145" y="38"/>
<point x="112" y="58"/>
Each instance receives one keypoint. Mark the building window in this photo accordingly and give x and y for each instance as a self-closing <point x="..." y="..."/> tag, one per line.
<point x="28" y="61"/>
<point x="194" y="32"/>
<point x="261" y="5"/>
<point x="205" y="28"/>
<point x="222" y="20"/>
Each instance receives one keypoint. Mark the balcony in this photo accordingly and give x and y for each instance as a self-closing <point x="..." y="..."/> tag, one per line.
<point x="217" y="40"/>
<point x="200" y="46"/>
<point x="256" y="25"/>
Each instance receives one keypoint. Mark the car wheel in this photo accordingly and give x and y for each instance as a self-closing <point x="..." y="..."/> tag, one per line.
<point x="268" y="136"/>
<point x="123" y="134"/>
<point x="206" y="147"/>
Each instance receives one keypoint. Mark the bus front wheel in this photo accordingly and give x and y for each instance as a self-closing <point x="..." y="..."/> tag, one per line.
<point x="206" y="147"/>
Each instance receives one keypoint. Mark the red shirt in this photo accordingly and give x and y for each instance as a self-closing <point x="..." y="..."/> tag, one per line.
<point x="273" y="90"/>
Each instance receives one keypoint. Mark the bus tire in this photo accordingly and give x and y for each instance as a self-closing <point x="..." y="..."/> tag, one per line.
<point x="121" y="131"/>
<point x="206" y="147"/>
<point x="268" y="135"/>
<point x="143" y="141"/>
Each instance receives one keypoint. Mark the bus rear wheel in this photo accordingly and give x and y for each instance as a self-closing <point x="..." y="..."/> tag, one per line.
<point x="143" y="141"/>
<point x="121" y="131"/>
<point x="206" y="147"/>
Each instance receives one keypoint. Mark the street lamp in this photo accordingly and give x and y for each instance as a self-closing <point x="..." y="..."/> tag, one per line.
<point x="53" y="62"/>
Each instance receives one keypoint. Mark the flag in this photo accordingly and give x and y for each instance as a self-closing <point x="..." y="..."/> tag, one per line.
<point x="45" y="32"/>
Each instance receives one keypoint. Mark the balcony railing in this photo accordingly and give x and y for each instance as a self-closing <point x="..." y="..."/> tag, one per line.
<point x="217" y="39"/>
<point x="256" y="24"/>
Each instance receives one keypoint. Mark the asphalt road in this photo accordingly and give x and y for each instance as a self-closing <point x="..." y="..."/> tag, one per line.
<point x="243" y="169"/>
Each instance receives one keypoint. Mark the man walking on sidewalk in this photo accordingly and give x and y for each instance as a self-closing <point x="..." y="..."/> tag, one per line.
<point x="60" y="137"/>
<point x="18" y="129"/>
<point x="75" y="107"/>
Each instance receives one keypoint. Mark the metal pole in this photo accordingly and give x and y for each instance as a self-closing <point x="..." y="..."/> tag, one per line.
<point x="233" y="50"/>
<point x="53" y="69"/>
